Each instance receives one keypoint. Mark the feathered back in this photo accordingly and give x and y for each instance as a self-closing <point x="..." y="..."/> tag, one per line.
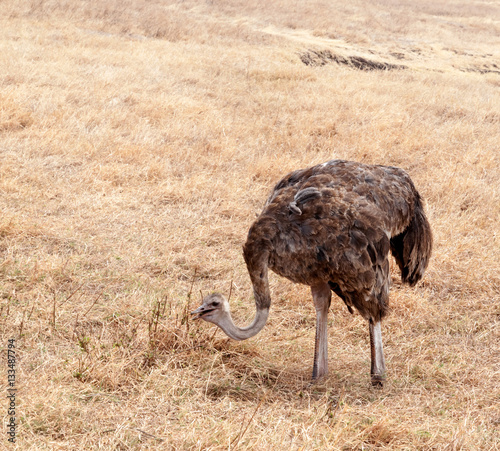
<point x="336" y="223"/>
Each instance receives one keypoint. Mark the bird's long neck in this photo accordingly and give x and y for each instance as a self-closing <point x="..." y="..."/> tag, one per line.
<point x="260" y="283"/>
<point x="242" y="333"/>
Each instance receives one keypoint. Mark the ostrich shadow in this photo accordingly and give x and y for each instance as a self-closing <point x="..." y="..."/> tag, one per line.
<point x="252" y="381"/>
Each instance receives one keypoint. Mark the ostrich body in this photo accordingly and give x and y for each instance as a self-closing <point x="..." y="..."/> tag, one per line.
<point x="331" y="227"/>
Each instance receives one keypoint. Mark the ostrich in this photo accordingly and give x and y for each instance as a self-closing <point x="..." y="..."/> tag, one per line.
<point x="331" y="227"/>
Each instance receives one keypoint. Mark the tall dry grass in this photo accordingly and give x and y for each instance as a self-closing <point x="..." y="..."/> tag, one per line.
<point x="137" y="142"/>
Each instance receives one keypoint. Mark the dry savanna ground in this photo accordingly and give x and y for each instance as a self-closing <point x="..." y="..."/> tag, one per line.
<point x="138" y="140"/>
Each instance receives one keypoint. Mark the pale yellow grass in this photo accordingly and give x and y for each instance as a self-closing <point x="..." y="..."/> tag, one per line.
<point x="137" y="142"/>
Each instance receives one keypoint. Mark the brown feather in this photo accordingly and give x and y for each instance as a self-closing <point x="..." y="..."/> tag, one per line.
<point x="351" y="215"/>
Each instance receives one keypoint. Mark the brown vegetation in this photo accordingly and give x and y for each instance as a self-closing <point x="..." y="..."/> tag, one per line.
<point x="137" y="141"/>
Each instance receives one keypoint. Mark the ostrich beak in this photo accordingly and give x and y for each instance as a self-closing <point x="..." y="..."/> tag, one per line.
<point x="200" y="311"/>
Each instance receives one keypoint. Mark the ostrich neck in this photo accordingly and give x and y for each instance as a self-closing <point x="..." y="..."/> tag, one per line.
<point x="258" y="275"/>
<point x="242" y="333"/>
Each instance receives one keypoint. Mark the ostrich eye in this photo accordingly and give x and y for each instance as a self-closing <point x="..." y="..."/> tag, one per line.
<point x="215" y="303"/>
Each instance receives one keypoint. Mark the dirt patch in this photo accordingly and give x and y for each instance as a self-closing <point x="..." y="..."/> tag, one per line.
<point x="484" y="69"/>
<point x="322" y="57"/>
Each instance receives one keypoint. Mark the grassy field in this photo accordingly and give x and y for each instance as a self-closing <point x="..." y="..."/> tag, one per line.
<point x="139" y="139"/>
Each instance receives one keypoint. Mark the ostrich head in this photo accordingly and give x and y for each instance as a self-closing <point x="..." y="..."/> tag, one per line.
<point x="214" y="309"/>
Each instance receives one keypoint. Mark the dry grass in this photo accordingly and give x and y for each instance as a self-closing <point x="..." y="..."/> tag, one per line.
<point x="137" y="141"/>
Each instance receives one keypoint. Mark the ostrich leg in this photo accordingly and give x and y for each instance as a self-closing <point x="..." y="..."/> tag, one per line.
<point x="322" y="297"/>
<point x="377" y="354"/>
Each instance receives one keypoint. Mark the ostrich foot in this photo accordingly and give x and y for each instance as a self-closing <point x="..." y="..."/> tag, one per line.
<point x="378" y="381"/>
